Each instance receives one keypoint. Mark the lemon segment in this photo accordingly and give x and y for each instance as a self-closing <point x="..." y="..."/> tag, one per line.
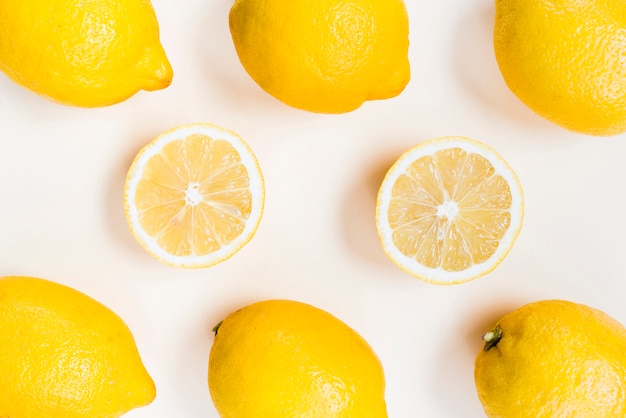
<point x="194" y="196"/>
<point x="449" y="210"/>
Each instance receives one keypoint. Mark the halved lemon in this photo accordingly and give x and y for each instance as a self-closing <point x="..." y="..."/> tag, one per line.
<point x="194" y="196"/>
<point x="449" y="210"/>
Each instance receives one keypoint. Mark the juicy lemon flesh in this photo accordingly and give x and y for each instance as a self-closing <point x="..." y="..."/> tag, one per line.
<point x="449" y="215"/>
<point x="194" y="196"/>
<point x="325" y="56"/>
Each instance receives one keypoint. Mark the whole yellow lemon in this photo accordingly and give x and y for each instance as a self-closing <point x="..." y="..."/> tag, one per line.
<point x="565" y="60"/>
<point x="62" y="354"/>
<point x="553" y="358"/>
<point x="287" y="359"/>
<point x="326" y="56"/>
<point x="83" y="53"/>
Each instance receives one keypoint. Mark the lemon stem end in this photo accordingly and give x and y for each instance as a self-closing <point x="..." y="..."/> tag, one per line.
<point x="492" y="337"/>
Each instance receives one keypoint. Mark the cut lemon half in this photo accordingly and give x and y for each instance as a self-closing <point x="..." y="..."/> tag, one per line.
<point x="194" y="196"/>
<point x="449" y="210"/>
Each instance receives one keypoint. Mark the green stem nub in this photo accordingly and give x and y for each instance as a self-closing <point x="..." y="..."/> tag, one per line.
<point x="492" y="338"/>
<point x="215" y="328"/>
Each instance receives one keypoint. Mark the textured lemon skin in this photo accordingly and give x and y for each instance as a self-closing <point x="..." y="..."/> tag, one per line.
<point x="564" y="59"/>
<point x="555" y="359"/>
<point x="326" y="56"/>
<point x="83" y="53"/>
<point x="62" y="354"/>
<point x="280" y="358"/>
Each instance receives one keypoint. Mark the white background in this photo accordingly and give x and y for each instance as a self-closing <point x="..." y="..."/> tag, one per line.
<point x="62" y="174"/>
